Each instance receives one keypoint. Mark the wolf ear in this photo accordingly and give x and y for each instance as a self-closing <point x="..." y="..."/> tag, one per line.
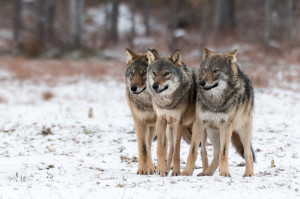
<point x="129" y="56"/>
<point x="176" y="57"/>
<point x="207" y="52"/>
<point x="152" y="55"/>
<point x="233" y="54"/>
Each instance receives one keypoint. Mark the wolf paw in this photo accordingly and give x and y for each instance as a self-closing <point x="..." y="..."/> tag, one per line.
<point x="162" y="173"/>
<point x="175" y="173"/>
<point x="142" y="171"/>
<point x="186" y="173"/>
<point x="248" y="174"/>
<point x="224" y="173"/>
<point x="151" y="170"/>
<point x="203" y="174"/>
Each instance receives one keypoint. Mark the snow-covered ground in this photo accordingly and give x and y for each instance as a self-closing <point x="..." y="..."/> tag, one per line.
<point x="50" y="148"/>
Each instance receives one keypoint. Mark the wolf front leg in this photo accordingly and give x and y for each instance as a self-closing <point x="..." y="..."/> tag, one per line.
<point x="141" y="132"/>
<point x="197" y="132"/>
<point x="151" y="135"/>
<point x="225" y="137"/>
<point x="214" y="138"/>
<point x="162" y="145"/>
<point x="177" y="131"/>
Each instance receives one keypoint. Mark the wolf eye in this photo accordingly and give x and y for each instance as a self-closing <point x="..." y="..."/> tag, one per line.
<point x="143" y="73"/>
<point x="154" y="74"/>
<point x="132" y="73"/>
<point x="204" y="70"/>
<point x="166" y="74"/>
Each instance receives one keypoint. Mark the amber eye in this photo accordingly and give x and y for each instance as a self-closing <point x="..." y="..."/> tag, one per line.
<point x="204" y="70"/>
<point x="132" y="73"/>
<point x="154" y="74"/>
<point x="166" y="74"/>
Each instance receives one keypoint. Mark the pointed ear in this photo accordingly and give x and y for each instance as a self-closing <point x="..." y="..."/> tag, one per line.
<point x="129" y="56"/>
<point x="152" y="56"/>
<point x="176" y="58"/>
<point x="207" y="52"/>
<point x="233" y="54"/>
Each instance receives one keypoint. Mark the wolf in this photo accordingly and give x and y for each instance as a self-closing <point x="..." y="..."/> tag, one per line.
<point x="171" y="85"/>
<point x="140" y="104"/>
<point x="224" y="111"/>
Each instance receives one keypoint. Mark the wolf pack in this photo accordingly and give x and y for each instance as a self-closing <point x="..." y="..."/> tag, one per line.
<point x="169" y="100"/>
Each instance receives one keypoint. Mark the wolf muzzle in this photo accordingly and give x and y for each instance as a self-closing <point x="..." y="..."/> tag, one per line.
<point x="157" y="89"/>
<point x="134" y="89"/>
<point x="207" y="86"/>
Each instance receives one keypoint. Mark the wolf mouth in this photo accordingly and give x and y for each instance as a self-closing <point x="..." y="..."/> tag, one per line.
<point x="136" y="93"/>
<point x="210" y="87"/>
<point x="165" y="88"/>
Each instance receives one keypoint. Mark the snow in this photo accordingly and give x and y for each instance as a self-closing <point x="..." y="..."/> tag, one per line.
<point x="94" y="157"/>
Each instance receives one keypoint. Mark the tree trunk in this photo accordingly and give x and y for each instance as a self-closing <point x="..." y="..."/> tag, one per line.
<point x="289" y="23"/>
<point x="173" y="45"/>
<point x="203" y="30"/>
<point x="132" y="32"/>
<point x="50" y="18"/>
<point x="17" y="20"/>
<point x="40" y="22"/>
<point x="114" y="22"/>
<point x="268" y="22"/>
<point x="76" y="12"/>
<point x="107" y="21"/>
<point x="146" y="9"/>
<point x="224" y="16"/>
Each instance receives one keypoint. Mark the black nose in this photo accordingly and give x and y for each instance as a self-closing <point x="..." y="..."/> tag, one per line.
<point x="155" y="86"/>
<point x="133" y="88"/>
<point x="202" y="83"/>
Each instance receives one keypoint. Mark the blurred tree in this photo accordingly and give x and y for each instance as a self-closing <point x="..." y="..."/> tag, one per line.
<point x="224" y="16"/>
<point x="114" y="36"/>
<point x="76" y="21"/>
<point x="146" y="9"/>
<point x="132" y="31"/>
<point x="50" y="18"/>
<point x="173" y="44"/>
<point x="17" y="20"/>
<point x="40" y="20"/>
<point x="204" y="21"/>
<point x="107" y="11"/>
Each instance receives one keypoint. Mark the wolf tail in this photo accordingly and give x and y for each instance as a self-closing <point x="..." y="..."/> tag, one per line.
<point x="187" y="134"/>
<point x="238" y="145"/>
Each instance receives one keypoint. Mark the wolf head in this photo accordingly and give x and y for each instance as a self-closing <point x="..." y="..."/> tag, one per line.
<point x="217" y="72"/>
<point x="135" y="74"/>
<point x="164" y="75"/>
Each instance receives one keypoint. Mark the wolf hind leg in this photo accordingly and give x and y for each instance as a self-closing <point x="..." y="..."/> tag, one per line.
<point x="225" y="137"/>
<point x="195" y="141"/>
<point x="162" y="146"/>
<point x="245" y="135"/>
<point x="177" y="133"/>
<point x="150" y="165"/>
<point x="171" y="146"/>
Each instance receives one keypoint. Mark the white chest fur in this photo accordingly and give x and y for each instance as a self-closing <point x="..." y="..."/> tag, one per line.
<point x="213" y="117"/>
<point x="169" y="114"/>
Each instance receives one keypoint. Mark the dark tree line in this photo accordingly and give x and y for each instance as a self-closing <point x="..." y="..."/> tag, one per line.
<point x="214" y="18"/>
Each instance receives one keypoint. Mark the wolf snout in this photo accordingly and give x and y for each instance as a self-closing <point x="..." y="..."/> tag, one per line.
<point x="155" y="86"/>
<point x="133" y="88"/>
<point x="159" y="90"/>
<point x="202" y="83"/>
